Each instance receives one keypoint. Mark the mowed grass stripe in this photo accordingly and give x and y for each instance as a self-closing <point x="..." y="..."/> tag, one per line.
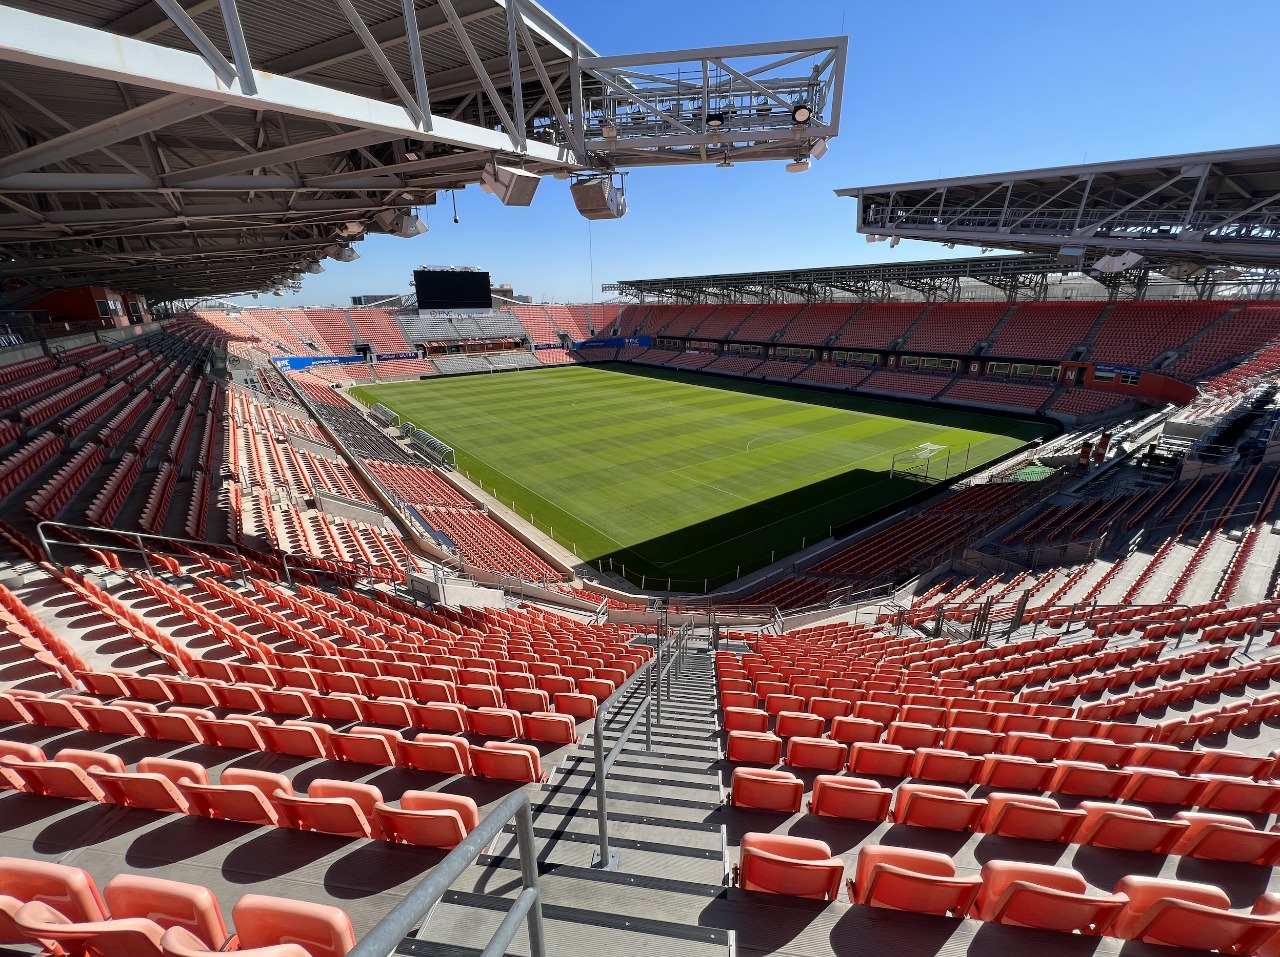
<point x="682" y="475"/>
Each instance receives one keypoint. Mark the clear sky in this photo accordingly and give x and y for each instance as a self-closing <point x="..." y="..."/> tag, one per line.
<point x="933" y="88"/>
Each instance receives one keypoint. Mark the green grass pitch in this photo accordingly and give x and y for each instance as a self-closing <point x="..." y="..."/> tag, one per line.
<point x="681" y="476"/>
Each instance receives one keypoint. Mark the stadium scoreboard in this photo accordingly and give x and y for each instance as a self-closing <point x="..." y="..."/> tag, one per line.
<point x="450" y="289"/>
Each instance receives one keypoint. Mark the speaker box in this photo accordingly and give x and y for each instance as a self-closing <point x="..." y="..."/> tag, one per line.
<point x="598" y="199"/>
<point x="514" y="187"/>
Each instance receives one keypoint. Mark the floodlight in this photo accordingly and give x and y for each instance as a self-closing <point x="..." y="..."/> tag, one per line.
<point x="715" y="120"/>
<point x="893" y="242"/>
<point x="315" y="269"/>
<point x="725" y="163"/>
<point x="346" y="255"/>
<point x="799" y="166"/>
<point x="801" y="112"/>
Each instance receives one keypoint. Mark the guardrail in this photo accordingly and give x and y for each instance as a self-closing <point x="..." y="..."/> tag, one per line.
<point x="653" y="671"/>
<point x="411" y="915"/>
<point x="140" y="537"/>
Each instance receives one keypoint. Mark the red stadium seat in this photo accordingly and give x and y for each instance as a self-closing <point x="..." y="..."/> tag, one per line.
<point x="68" y="889"/>
<point x="1224" y="837"/>
<point x="443" y="754"/>
<point x="743" y="719"/>
<point x="1030" y="816"/>
<point x="754" y="747"/>
<point x="169" y="904"/>
<point x="320" y="930"/>
<point x="927" y="805"/>
<point x="766" y="789"/>
<point x="821" y="753"/>
<point x="857" y="799"/>
<point x="1051" y="898"/>
<point x="508" y="762"/>
<point x="1184" y="914"/>
<point x="923" y="882"/>
<point x="794" y="866"/>
<point x="429" y="819"/>
<point x="882" y="760"/>
<point x="1127" y="827"/>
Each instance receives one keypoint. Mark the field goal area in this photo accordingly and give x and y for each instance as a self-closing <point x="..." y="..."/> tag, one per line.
<point x="930" y="462"/>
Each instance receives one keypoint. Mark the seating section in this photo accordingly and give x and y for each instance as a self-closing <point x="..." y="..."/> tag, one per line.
<point x="1014" y="396"/>
<point x="955" y="327"/>
<point x="1134" y="333"/>
<point x="1045" y="330"/>
<point x="922" y="385"/>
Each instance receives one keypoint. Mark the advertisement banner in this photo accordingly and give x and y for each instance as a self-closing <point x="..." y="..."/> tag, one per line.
<point x="297" y="363"/>
<point x="616" y="343"/>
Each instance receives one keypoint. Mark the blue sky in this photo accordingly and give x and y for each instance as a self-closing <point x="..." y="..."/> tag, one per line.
<point x="933" y="88"/>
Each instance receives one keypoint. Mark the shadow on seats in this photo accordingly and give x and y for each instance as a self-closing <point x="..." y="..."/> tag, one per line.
<point x="867" y="930"/>
<point x="1243" y="883"/>
<point x="839" y="835"/>
<point x="996" y="847"/>
<point x="1102" y="867"/>
<point x="85" y="827"/>
<point x="19" y="810"/>
<point x="276" y="852"/>
<point x="377" y="866"/>
<point x="182" y="838"/>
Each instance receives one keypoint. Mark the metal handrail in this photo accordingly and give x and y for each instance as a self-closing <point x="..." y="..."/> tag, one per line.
<point x="602" y="858"/>
<point x="410" y="916"/>
<point x="47" y="545"/>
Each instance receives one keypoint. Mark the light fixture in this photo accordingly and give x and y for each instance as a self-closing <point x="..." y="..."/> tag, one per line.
<point x="609" y="131"/>
<point x="762" y="106"/>
<point x="799" y="166"/>
<point x="893" y="241"/>
<point x="346" y="254"/>
<point x="819" y="149"/>
<point x="725" y="162"/>
<point x="715" y="120"/>
<point x="801" y="112"/>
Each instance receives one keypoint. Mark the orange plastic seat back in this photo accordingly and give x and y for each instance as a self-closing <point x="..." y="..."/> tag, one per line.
<point x="857" y="799"/>
<point x="766" y="789"/>
<point x="169" y="904"/>
<point x="794" y="866"/>
<point x="508" y="762"/>
<point x="320" y="930"/>
<point x="923" y="882"/>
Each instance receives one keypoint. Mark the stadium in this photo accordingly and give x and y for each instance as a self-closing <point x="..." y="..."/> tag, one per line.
<point x="924" y="605"/>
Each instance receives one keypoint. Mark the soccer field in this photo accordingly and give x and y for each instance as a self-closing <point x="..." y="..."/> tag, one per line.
<point x="681" y="476"/>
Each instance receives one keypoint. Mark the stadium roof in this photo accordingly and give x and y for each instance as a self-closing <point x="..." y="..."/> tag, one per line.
<point x="1196" y="209"/>
<point x="183" y="148"/>
<point x="1019" y="277"/>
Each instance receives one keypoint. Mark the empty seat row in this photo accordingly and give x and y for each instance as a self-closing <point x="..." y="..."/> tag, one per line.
<point x="60" y="908"/>
<point x="1219" y="837"/>
<point x="253" y="732"/>
<point x="248" y="796"/>
<point x="1220" y="791"/>
<point x="1147" y="909"/>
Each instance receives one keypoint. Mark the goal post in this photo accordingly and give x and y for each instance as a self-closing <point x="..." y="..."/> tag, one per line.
<point x="929" y="461"/>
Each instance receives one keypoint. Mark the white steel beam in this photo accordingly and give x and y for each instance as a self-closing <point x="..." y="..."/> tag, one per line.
<point x="40" y="41"/>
